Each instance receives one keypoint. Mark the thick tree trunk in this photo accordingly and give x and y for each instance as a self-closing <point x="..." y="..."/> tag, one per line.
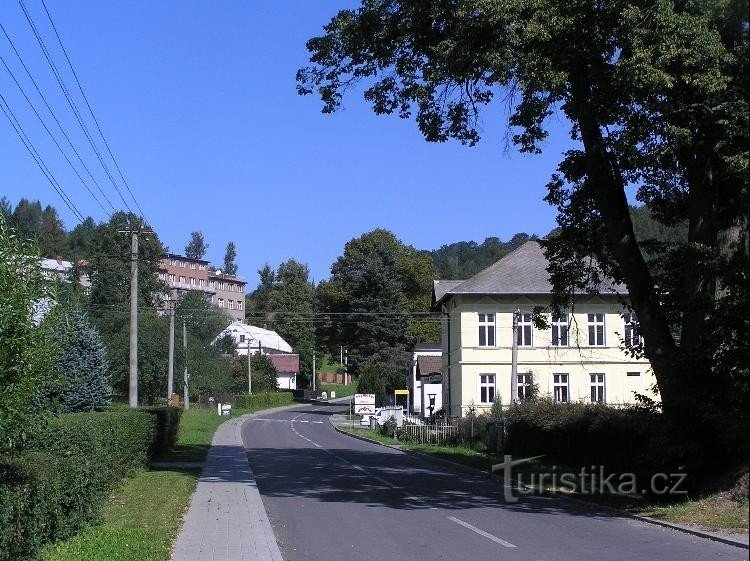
<point x="608" y="189"/>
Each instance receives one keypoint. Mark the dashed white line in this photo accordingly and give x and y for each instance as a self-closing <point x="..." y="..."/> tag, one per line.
<point x="481" y="532"/>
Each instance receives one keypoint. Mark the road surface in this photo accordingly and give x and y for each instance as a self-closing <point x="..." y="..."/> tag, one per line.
<point x="332" y="497"/>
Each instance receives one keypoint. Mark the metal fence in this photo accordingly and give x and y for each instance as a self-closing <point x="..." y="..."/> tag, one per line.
<point x="432" y="434"/>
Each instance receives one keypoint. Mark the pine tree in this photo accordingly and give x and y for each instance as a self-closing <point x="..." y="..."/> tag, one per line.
<point x="81" y="366"/>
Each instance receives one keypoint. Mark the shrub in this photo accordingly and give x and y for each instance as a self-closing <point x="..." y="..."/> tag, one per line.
<point x="263" y="400"/>
<point x="579" y="434"/>
<point x="61" y="480"/>
<point x="389" y="428"/>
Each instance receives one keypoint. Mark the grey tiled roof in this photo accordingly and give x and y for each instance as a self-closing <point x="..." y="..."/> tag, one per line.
<point x="523" y="271"/>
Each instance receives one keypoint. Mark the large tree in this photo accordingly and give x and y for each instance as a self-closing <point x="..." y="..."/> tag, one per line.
<point x="376" y="298"/>
<point x="197" y="246"/>
<point x="230" y="256"/>
<point x="655" y="94"/>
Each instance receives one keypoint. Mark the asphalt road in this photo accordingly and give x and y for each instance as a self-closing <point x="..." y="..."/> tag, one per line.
<point x="331" y="497"/>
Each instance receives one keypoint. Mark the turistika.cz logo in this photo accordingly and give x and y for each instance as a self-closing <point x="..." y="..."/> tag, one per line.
<point x="590" y="480"/>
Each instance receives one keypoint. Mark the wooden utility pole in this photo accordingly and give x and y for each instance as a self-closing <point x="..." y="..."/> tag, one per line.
<point x="514" y="359"/>
<point x="186" y="376"/>
<point x="133" y="366"/>
<point x="170" y="364"/>
<point x="314" y="371"/>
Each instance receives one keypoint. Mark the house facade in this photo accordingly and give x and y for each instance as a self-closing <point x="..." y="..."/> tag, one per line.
<point x="425" y="382"/>
<point x="581" y="356"/>
<point x="228" y="293"/>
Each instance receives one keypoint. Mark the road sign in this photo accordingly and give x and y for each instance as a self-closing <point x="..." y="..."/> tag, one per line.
<point x="364" y="403"/>
<point x="401" y="392"/>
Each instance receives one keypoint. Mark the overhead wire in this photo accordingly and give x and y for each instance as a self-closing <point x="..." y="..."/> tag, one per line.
<point x="70" y="100"/>
<point x="91" y="111"/>
<point x="38" y="159"/>
<point x="46" y="128"/>
<point x="57" y="121"/>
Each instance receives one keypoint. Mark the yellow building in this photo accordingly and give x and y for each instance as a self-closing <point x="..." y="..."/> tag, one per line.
<point x="581" y="357"/>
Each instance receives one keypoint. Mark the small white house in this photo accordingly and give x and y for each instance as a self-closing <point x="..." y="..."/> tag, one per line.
<point x="426" y="379"/>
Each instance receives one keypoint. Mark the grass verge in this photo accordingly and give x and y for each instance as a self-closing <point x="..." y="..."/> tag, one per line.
<point x="715" y="512"/>
<point x="340" y="389"/>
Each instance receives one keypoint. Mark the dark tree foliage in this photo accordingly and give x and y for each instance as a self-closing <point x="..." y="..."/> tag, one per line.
<point x="462" y="260"/>
<point x="656" y="95"/>
<point x="203" y="319"/>
<point x="257" y="306"/>
<point x="263" y="374"/>
<point x="197" y="246"/>
<point x="230" y="256"/>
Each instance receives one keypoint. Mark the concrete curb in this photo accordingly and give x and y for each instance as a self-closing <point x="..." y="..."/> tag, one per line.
<point x="706" y="534"/>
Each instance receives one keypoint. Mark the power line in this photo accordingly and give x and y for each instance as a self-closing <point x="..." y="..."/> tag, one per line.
<point x="93" y="116"/>
<point x="38" y="159"/>
<point x="57" y="121"/>
<point x="70" y="100"/>
<point x="50" y="134"/>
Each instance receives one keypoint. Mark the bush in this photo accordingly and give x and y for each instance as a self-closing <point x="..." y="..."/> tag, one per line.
<point x="389" y="428"/>
<point x="579" y="434"/>
<point x="61" y="480"/>
<point x="264" y="400"/>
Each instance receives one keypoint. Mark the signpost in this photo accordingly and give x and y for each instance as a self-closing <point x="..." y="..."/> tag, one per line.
<point x="397" y="393"/>
<point x="364" y="403"/>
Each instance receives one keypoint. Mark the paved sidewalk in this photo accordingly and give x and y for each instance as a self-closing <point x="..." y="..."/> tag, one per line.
<point x="226" y="520"/>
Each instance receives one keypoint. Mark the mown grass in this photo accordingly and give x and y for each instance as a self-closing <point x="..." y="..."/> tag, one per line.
<point x="145" y="511"/>
<point x="340" y="389"/>
<point x="717" y="512"/>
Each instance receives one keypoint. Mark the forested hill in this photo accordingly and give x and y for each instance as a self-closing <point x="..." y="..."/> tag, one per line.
<point x="462" y="260"/>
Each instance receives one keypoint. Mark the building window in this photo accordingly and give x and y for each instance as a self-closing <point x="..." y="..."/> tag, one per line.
<point x="212" y="284"/>
<point x="239" y="304"/>
<point x="242" y="338"/>
<point x="192" y="281"/>
<point x="182" y="280"/>
<point x="597" y="388"/>
<point x="182" y="264"/>
<point x="192" y="265"/>
<point x="173" y="261"/>
<point x="634" y="374"/>
<point x="523" y="335"/>
<point x="486" y="388"/>
<point x="201" y="283"/>
<point x="560" y="329"/>
<point x="596" y="330"/>
<point x="525" y="382"/>
<point x="632" y="337"/>
<point x="560" y="387"/>
<point x="486" y="330"/>
<point x="171" y="278"/>
<point x="231" y="304"/>
<point x="221" y="302"/>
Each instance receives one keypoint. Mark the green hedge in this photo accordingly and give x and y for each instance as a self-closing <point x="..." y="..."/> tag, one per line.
<point x="264" y="400"/>
<point x="580" y="434"/>
<point x="61" y="480"/>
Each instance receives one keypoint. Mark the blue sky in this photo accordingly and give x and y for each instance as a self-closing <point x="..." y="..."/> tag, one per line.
<point x="198" y="102"/>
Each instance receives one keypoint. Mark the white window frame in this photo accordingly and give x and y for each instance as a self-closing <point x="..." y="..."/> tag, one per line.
<point x="597" y="326"/>
<point x="525" y="333"/>
<point x="631" y="337"/>
<point x="182" y="264"/>
<point x="488" y="328"/>
<point x="231" y="304"/>
<point x="598" y="388"/>
<point x="239" y="304"/>
<point x="560" y="330"/>
<point x="487" y="388"/>
<point x="561" y="387"/>
<point x="192" y="265"/>
<point x="221" y="302"/>
<point x="524" y="383"/>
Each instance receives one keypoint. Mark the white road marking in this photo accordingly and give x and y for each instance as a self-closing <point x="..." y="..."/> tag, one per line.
<point x="481" y="532"/>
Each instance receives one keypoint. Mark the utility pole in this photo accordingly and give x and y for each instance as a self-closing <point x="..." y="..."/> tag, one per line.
<point x="514" y="359"/>
<point x="313" y="372"/>
<point x="133" y="366"/>
<point x="346" y="367"/>
<point x="249" y="370"/>
<point x="186" y="376"/>
<point x="170" y="365"/>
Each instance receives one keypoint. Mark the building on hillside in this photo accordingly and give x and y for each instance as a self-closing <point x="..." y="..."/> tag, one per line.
<point x="248" y="338"/>
<point x="182" y="273"/>
<point x="256" y="338"/>
<point x="287" y="370"/>
<point x="59" y="270"/>
<point x="229" y="293"/>
<point x="425" y="382"/>
<point x="581" y="357"/>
